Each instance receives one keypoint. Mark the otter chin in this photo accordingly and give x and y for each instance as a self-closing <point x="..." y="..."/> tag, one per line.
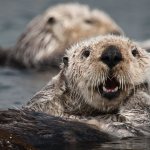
<point x="107" y="93"/>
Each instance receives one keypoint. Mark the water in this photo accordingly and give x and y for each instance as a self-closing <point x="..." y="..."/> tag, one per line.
<point x="126" y="144"/>
<point x="16" y="87"/>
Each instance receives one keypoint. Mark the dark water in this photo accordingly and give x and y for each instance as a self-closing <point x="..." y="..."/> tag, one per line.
<point x="125" y="144"/>
<point x="16" y="87"/>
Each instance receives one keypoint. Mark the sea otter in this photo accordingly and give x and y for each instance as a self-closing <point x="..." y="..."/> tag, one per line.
<point x="48" y="35"/>
<point x="103" y="81"/>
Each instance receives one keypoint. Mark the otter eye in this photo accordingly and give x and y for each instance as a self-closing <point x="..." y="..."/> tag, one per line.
<point x="86" y="53"/>
<point x="65" y="60"/>
<point x="135" y="52"/>
<point x="89" y="21"/>
<point x="51" y="20"/>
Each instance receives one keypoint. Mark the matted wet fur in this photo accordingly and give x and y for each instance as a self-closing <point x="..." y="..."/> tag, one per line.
<point x="28" y="130"/>
<point x="105" y="78"/>
<point x="49" y="34"/>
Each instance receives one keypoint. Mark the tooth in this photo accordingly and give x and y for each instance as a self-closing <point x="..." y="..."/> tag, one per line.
<point x="110" y="90"/>
<point x="104" y="89"/>
<point x="116" y="89"/>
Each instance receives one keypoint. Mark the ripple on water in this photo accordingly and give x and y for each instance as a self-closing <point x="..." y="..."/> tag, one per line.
<point x="18" y="86"/>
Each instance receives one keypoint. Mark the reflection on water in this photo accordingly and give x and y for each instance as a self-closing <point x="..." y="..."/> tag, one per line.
<point x="126" y="144"/>
<point x="141" y="143"/>
<point x="16" y="87"/>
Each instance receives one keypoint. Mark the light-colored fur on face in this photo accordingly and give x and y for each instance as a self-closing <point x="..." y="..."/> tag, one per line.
<point x="44" y="42"/>
<point x="86" y="74"/>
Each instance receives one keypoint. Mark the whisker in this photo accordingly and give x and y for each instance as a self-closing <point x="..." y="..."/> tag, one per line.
<point x="129" y="76"/>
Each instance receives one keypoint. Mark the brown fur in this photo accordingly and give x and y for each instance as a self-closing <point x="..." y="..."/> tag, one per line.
<point x="74" y="91"/>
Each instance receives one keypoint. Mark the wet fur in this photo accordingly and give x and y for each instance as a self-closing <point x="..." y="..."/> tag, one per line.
<point x="24" y="130"/>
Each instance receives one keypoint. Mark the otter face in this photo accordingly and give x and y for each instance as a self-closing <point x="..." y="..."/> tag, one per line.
<point x="106" y="70"/>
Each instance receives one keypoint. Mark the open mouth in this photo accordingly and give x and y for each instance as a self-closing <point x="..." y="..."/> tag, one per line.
<point x="110" y="89"/>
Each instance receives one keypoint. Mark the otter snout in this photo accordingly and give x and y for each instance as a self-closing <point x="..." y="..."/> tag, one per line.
<point x="111" y="56"/>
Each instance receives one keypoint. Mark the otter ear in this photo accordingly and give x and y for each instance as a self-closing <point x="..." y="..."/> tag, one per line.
<point x="51" y="20"/>
<point x="65" y="61"/>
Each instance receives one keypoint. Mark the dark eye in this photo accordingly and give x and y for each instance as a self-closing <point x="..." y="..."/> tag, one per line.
<point x="65" y="60"/>
<point x="89" y="21"/>
<point x="135" y="52"/>
<point x="51" y="20"/>
<point x="86" y="53"/>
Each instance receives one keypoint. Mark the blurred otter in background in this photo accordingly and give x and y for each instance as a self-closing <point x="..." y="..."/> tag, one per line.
<point x="47" y="36"/>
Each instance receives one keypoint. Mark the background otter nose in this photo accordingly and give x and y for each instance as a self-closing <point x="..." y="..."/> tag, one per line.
<point x="117" y="32"/>
<point x="111" y="56"/>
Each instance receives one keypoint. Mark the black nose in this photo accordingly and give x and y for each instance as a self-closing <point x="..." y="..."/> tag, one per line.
<point x="111" y="56"/>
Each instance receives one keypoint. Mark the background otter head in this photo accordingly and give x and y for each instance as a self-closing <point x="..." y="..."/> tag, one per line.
<point x="73" y="22"/>
<point x="106" y="70"/>
<point x="47" y="36"/>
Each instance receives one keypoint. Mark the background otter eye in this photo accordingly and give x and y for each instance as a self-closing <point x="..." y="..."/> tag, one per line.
<point x="86" y="53"/>
<point x="51" y="20"/>
<point x="89" y="21"/>
<point x="135" y="52"/>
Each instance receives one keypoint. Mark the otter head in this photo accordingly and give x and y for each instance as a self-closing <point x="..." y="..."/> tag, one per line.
<point x="72" y="22"/>
<point x="106" y="70"/>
